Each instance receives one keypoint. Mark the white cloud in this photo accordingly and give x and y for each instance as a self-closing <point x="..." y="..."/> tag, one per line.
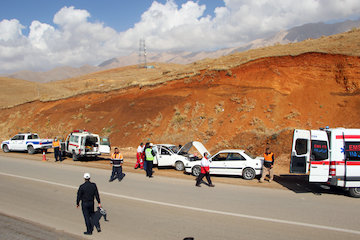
<point x="74" y="40"/>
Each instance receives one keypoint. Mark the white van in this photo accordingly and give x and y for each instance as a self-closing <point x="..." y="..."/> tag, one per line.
<point x="83" y="144"/>
<point x="330" y="156"/>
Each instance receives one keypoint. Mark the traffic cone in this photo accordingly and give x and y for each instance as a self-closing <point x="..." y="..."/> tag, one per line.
<point x="44" y="157"/>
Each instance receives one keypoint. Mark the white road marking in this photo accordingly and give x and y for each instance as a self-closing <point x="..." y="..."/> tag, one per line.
<point x="274" y="220"/>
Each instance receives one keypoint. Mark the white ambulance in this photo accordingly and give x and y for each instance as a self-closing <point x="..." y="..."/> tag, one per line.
<point x="83" y="144"/>
<point x="330" y="156"/>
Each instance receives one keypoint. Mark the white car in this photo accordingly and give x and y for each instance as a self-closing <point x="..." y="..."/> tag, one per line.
<point x="230" y="162"/>
<point x="169" y="155"/>
<point x="29" y="142"/>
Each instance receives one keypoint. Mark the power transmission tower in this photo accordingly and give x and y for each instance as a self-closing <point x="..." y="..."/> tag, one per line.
<point x="142" y="53"/>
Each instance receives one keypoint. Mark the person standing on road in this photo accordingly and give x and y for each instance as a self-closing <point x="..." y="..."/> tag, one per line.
<point x="144" y="155"/>
<point x="139" y="157"/>
<point x="205" y="171"/>
<point x="56" y="146"/>
<point x="268" y="165"/>
<point x="150" y="155"/>
<point x="86" y="194"/>
<point x="117" y="162"/>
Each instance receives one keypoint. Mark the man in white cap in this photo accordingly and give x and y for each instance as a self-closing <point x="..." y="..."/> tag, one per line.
<point x="86" y="194"/>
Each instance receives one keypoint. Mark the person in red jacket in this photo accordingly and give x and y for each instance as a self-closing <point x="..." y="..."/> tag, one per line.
<point x="205" y="171"/>
<point x="140" y="157"/>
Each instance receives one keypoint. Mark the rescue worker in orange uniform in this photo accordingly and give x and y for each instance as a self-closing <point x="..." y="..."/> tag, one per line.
<point x="56" y="146"/>
<point x="117" y="162"/>
<point x="205" y="171"/>
<point x="139" y="157"/>
<point x="268" y="165"/>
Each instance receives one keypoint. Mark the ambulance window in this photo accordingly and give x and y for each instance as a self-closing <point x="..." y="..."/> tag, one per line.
<point x="301" y="146"/>
<point x="352" y="151"/>
<point x="319" y="150"/>
<point x="72" y="138"/>
<point x="76" y="139"/>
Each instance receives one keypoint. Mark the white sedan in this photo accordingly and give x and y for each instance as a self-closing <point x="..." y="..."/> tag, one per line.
<point x="170" y="155"/>
<point x="230" y="162"/>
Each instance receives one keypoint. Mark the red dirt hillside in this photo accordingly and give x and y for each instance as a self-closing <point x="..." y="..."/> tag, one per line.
<point x="245" y="107"/>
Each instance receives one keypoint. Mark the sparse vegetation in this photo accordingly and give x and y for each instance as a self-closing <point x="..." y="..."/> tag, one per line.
<point x="293" y="114"/>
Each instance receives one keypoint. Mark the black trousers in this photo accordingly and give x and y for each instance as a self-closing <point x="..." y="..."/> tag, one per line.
<point x="116" y="173"/>
<point x="149" y="168"/>
<point x="88" y="212"/>
<point x="57" y="154"/>
<point x="201" y="176"/>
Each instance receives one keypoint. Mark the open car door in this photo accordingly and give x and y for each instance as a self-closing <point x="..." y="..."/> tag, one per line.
<point x="319" y="158"/>
<point x="300" y="154"/>
<point x="105" y="145"/>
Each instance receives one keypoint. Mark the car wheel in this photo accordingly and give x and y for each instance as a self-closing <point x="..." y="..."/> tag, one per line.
<point x="355" y="192"/>
<point x="6" y="148"/>
<point x="30" y="149"/>
<point x="196" y="170"/>
<point x="249" y="174"/>
<point x="179" y="166"/>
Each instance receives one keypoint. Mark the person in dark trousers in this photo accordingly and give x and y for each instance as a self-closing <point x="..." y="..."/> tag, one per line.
<point x="144" y="155"/>
<point x="268" y="165"/>
<point x="149" y="155"/>
<point x="117" y="162"/>
<point x="205" y="171"/>
<point x="56" y="146"/>
<point x="86" y="194"/>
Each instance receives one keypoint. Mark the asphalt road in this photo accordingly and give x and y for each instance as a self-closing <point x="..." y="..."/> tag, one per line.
<point x="168" y="208"/>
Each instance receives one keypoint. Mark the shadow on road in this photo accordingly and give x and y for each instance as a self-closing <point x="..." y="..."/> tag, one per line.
<point x="300" y="184"/>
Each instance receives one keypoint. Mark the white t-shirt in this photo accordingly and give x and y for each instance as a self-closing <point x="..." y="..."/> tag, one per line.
<point x="140" y="149"/>
<point x="205" y="162"/>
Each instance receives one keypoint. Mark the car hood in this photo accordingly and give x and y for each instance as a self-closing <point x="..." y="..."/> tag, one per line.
<point x="198" y="145"/>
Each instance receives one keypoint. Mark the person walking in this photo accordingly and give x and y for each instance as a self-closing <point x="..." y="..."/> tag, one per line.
<point x="117" y="162"/>
<point x="86" y="194"/>
<point x="268" y="165"/>
<point x="149" y="155"/>
<point x="139" y="157"/>
<point x="56" y="146"/>
<point x="205" y="171"/>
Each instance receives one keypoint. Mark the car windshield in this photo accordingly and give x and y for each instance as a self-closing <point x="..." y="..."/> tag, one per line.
<point x="174" y="148"/>
<point x="250" y="155"/>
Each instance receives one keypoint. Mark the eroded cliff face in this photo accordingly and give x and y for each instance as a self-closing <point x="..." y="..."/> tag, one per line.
<point x="247" y="107"/>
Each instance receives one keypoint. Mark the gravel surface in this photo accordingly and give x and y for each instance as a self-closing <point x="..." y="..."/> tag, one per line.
<point x="12" y="228"/>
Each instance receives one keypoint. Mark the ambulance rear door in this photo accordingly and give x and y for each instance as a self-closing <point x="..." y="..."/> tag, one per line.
<point x="320" y="158"/>
<point x="300" y="154"/>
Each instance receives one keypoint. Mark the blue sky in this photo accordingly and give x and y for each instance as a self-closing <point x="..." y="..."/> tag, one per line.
<point x="117" y="14"/>
<point x="42" y="34"/>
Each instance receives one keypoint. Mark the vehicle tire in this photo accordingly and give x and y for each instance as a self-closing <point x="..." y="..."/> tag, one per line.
<point x="196" y="170"/>
<point x="248" y="174"/>
<point x="179" y="166"/>
<point x="75" y="157"/>
<point x="30" y="149"/>
<point x="354" y="192"/>
<point x="6" y="148"/>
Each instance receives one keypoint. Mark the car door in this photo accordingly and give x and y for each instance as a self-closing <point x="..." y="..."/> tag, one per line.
<point x="319" y="159"/>
<point x="165" y="157"/>
<point x="300" y="154"/>
<point x="13" y="142"/>
<point x="218" y="163"/>
<point x="18" y="142"/>
<point x="235" y="163"/>
<point x="104" y="146"/>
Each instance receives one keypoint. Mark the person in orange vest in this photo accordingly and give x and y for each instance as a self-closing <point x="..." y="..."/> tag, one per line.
<point x="205" y="171"/>
<point x="117" y="162"/>
<point x="268" y="165"/>
<point x="139" y="157"/>
<point x="56" y="146"/>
